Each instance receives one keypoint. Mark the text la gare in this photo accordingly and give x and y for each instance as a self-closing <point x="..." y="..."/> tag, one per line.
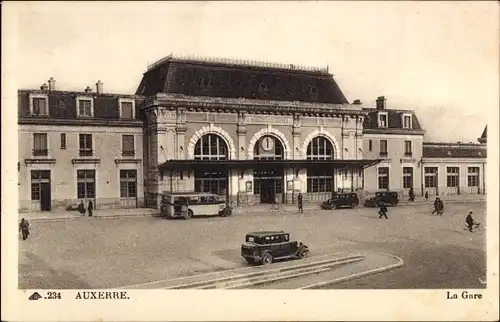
<point x="464" y="295"/>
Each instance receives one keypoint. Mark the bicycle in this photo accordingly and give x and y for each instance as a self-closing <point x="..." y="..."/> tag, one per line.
<point x="476" y="227"/>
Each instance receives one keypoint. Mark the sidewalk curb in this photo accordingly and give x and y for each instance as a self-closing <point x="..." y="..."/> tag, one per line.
<point x="400" y="263"/>
<point x="91" y="218"/>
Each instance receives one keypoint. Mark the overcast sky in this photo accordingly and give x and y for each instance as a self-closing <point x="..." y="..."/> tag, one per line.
<point x="438" y="58"/>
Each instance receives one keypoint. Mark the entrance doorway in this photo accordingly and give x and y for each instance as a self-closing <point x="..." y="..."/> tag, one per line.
<point x="269" y="185"/>
<point x="40" y="188"/>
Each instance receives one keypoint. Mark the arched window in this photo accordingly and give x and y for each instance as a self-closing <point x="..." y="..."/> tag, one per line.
<point x="320" y="178"/>
<point x="268" y="148"/>
<point x="214" y="180"/>
<point x="211" y="147"/>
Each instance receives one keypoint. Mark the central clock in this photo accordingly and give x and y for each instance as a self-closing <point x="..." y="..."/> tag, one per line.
<point x="267" y="144"/>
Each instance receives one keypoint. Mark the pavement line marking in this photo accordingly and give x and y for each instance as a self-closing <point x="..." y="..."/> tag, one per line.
<point x="357" y="275"/>
<point x="270" y="271"/>
<point x="215" y="273"/>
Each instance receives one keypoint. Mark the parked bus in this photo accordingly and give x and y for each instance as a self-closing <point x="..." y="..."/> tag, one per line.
<point x="189" y="204"/>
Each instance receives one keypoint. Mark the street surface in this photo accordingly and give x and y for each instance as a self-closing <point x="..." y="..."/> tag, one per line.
<point x="108" y="253"/>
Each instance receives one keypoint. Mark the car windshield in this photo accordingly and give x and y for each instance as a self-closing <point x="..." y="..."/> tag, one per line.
<point x="252" y="239"/>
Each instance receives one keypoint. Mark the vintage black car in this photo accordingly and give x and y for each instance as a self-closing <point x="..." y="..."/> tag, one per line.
<point x="266" y="246"/>
<point x="389" y="198"/>
<point x="340" y="200"/>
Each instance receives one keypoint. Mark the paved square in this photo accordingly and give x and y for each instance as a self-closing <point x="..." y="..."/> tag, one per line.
<point x="107" y="253"/>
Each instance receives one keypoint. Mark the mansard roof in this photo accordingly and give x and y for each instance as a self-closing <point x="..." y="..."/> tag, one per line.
<point x="394" y="119"/>
<point x="62" y="104"/>
<point x="453" y="150"/>
<point x="238" y="79"/>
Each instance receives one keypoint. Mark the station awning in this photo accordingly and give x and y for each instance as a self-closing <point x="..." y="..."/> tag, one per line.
<point x="246" y="164"/>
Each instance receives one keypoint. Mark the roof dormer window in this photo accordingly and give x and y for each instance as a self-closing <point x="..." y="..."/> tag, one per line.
<point x="407" y="121"/>
<point x="85" y="106"/>
<point x="383" y="120"/>
<point x="127" y="108"/>
<point x="39" y="105"/>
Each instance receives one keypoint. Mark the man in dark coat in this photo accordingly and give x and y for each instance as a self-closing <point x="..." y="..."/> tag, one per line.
<point x="383" y="211"/>
<point x="300" y="203"/>
<point x="426" y="195"/>
<point x="24" y="228"/>
<point x="469" y="221"/>
<point x="90" y="208"/>
<point x="411" y="193"/>
<point x="440" y="207"/>
<point x="81" y="208"/>
<point x="436" y="206"/>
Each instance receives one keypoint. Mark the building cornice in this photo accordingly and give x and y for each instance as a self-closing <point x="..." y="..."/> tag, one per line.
<point x="79" y="122"/>
<point x="251" y="105"/>
<point x="389" y="131"/>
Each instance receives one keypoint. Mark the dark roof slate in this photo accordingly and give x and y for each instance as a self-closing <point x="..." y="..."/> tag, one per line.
<point x="394" y="119"/>
<point x="203" y="78"/>
<point x="453" y="150"/>
<point x="62" y="104"/>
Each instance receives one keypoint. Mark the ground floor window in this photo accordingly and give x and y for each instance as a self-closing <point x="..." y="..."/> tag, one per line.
<point x="211" y="181"/>
<point x="430" y="177"/>
<point x="383" y="178"/>
<point x="452" y="177"/>
<point x="407" y="177"/>
<point x="473" y="177"/>
<point x="319" y="180"/>
<point x="85" y="184"/>
<point x="38" y="177"/>
<point x="128" y="183"/>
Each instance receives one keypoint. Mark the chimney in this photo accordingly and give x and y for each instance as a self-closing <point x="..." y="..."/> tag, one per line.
<point x="357" y="102"/>
<point x="98" y="87"/>
<point x="44" y="87"/>
<point x="52" y="84"/>
<point x="88" y="90"/>
<point x="381" y="101"/>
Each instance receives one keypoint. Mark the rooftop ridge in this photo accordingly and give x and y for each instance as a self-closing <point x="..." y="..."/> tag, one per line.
<point x="241" y="62"/>
<point x="454" y="144"/>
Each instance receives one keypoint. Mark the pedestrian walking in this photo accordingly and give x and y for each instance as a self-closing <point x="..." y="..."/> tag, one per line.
<point x="469" y="221"/>
<point x="427" y="196"/>
<point x="411" y="193"/>
<point x="300" y="203"/>
<point x="441" y="207"/>
<point x="436" y="206"/>
<point x="383" y="211"/>
<point x="24" y="228"/>
<point x="90" y="208"/>
<point x="81" y="208"/>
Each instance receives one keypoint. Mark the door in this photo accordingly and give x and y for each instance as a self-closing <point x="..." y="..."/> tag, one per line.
<point x="267" y="194"/>
<point x="45" y="198"/>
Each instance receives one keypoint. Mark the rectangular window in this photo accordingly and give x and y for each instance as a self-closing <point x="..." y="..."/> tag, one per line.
<point x="128" y="183"/>
<point x="383" y="178"/>
<point x="383" y="148"/>
<point x="128" y="145"/>
<point x="85" y="107"/>
<point x="40" y="144"/>
<point x="369" y="145"/>
<point x="37" y="178"/>
<point x="407" y="121"/>
<point x="85" y="144"/>
<point x="408" y="149"/>
<point x="382" y="120"/>
<point x="407" y="177"/>
<point x="452" y="177"/>
<point x="127" y="110"/>
<point x="63" y="141"/>
<point x="473" y="177"/>
<point x="40" y="106"/>
<point x="430" y="177"/>
<point x="319" y="181"/>
<point x="85" y="184"/>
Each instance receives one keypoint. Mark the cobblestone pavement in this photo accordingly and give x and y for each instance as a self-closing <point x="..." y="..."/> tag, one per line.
<point x="125" y="251"/>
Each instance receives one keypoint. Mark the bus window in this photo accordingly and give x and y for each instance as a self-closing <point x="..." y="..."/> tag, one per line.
<point x="211" y="199"/>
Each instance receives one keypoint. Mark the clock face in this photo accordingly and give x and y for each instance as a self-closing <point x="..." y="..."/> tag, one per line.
<point x="267" y="144"/>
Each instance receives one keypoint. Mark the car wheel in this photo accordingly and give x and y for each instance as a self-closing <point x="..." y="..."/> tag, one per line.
<point x="267" y="259"/>
<point x="354" y="205"/>
<point x="303" y="253"/>
<point x="188" y="215"/>
<point x="333" y="206"/>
